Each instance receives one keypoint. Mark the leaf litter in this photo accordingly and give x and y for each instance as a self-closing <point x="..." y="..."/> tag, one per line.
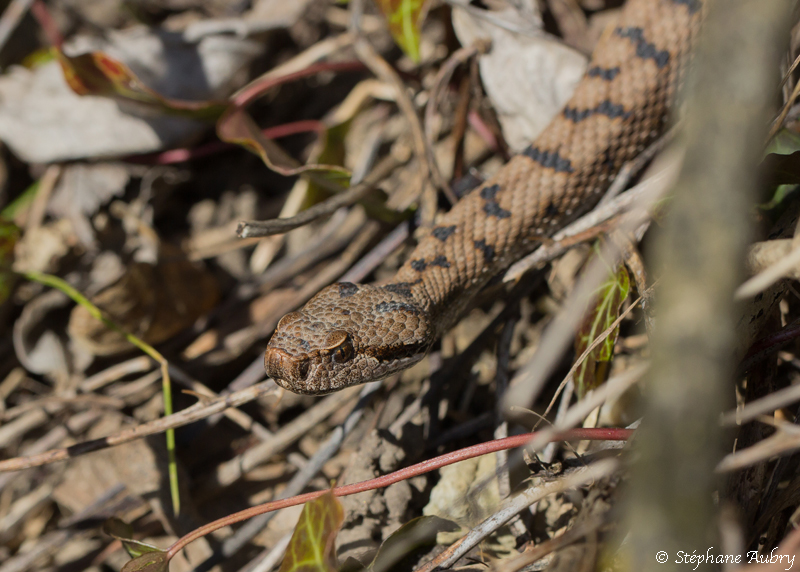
<point x="117" y="182"/>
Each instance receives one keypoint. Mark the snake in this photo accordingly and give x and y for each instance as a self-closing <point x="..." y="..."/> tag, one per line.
<point x="349" y="334"/>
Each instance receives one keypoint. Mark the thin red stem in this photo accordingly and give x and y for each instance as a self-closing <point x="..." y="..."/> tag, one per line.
<point x="605" y="434"/>
<point x="48" y="25"/>
<point x="251" y="92"/>
<point x="182" y="155"/>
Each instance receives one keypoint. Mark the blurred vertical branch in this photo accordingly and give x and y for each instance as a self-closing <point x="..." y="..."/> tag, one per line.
<point x="701" y="253"/>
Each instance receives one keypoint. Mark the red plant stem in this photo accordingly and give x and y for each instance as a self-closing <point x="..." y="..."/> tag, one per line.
<point x="604" y="434"/>
<point x="182" y="155"/>
<point x="483" y="130"/>
<point x="46" y="22"/>
<point x="774" y="341"/>
<point x="251" y="92"/>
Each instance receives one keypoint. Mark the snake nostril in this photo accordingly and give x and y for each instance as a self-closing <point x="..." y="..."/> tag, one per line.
<point x="280" y="365"/>
<point x="302" y="370"/>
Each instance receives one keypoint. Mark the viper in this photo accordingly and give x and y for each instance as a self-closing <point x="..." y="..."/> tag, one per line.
<point x="350" y="334"/>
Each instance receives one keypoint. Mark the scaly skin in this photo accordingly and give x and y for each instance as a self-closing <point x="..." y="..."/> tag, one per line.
<point x="350" y="334"/>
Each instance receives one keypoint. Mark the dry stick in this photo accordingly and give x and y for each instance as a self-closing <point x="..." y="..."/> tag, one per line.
<point x="574" y="478"/>
<point x="790" y="71"/>
<point x="51" y="541"/>
<point x="606" y="434"/>
<point x="270" y="557"/>
<point x="378" y="66"/>
<point x="302" y="478"/>
<point x="378" y="254"/>
<point x="64" y="402"/>
<point x="442" y="79"/>
<point x="117" y="371"/>
<point x="238" y="416"/>
<point x="194" y="413"/>
<point x="11" y="18"/>
<point x="614" y="387"/>
<point x="785" y="439"/>
<point x="346" y="198"/>
<point x="778" y="122"/>
<point x="767" y="404"/>
<point x="74" y="425"/>
<point x="337" y="233"/>
<point x="501" y="430"/>
<point x="539" y="551"/>
<point x="785" y="266"/>
<point x="671" y="497"/>
<point x="231" y="470"/>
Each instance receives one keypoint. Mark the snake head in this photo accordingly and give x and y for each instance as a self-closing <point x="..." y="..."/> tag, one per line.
<point x="347" y="335"/>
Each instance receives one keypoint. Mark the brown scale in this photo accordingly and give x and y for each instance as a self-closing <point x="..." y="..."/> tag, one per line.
<point x="350" y="334"/>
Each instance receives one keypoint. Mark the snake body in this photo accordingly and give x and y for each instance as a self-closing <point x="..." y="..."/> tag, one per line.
<point x="350" y="334"/>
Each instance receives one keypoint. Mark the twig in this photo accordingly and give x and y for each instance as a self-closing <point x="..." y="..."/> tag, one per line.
<point x="442" y="79"/>
<point x="539" y="551"/>
<point x="138" y="364"/>
<point x="353" y="194"/>
<point x="11" y="18"/>
<point x="575" y="478"/>
<point x="76" y="424"/>
<point x="378" y="66"/>
<point x="778" y="122"/>
<point x="670" y="502"/>
<point x="501" y="430"/>
<point x="194" y="413"/>
<point x="378" y="254"/>
<point x="767" y="404"/>
<point x="231" y="470"/>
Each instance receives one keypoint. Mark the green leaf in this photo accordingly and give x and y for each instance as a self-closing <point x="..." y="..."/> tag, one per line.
<point x="97" y="73"/>
<point x="603" y="311"/>
<point x="122" y="531"/>
<point x="781" y="164"/>
<point x="236" y="126"/>
<point x="9" y="235"/>
<point x="405" y="21"/>
<point x="785" y="142"/>
<point x="150" y="562"/>
<point x="415" y="534"/>
<point x="312" y="544"/>
<point x="330" y="151"/>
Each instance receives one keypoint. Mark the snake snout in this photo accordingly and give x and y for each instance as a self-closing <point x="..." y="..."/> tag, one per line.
<point x="282" y="366"/>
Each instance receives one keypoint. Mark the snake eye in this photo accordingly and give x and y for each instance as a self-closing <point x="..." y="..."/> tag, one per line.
<point x="302" y="369"/>
<point x="344" y="352"/>
<point x="340" y="345"/>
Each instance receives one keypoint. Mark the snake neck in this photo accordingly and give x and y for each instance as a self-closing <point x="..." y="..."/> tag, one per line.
<point x="618" y="109"/>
